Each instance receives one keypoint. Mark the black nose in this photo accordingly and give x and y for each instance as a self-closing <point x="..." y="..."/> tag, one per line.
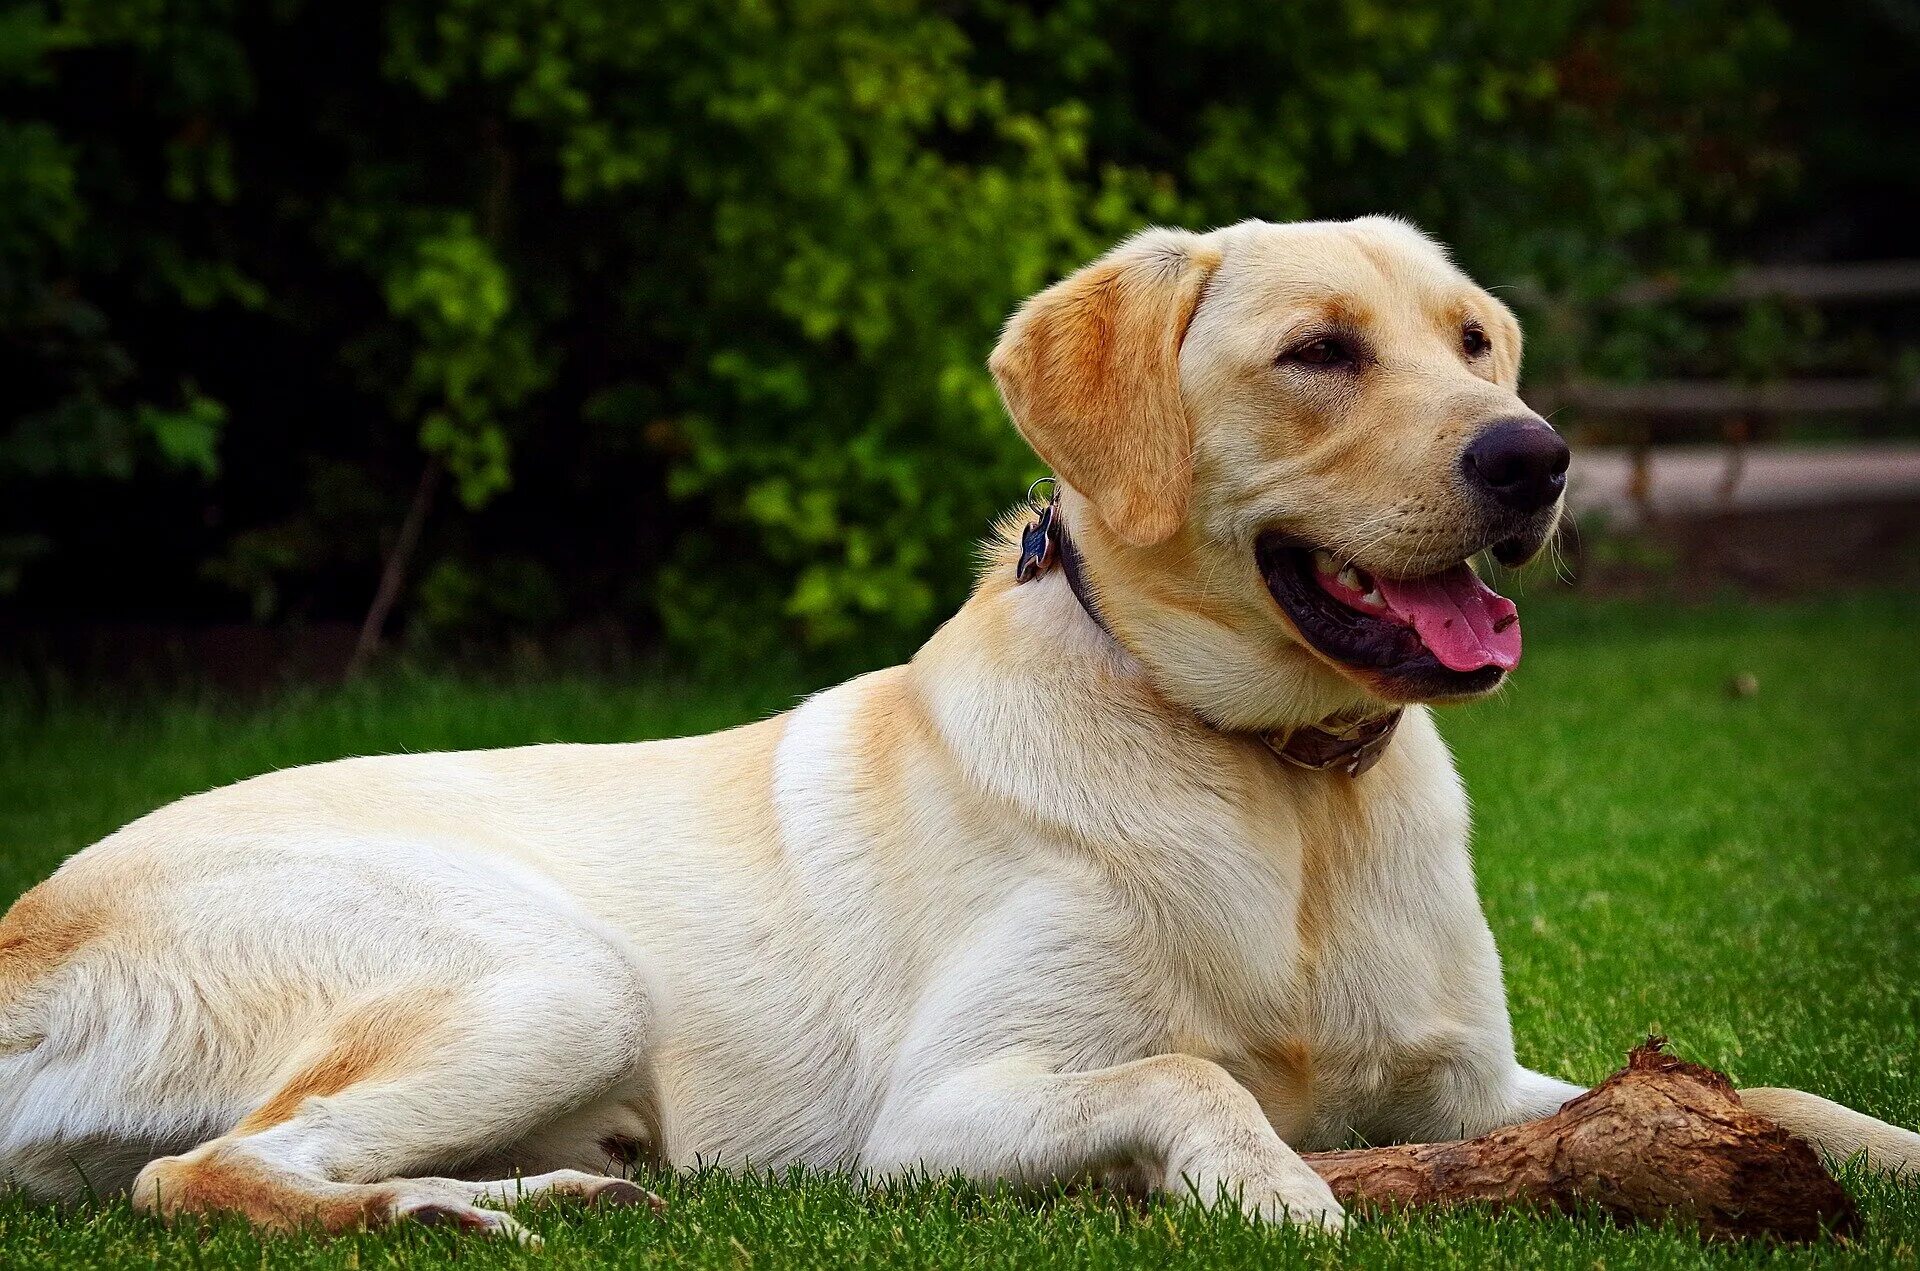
<point x="1522" y="463"/>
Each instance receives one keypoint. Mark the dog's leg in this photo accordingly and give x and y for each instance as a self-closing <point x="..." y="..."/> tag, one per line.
<point x="510" y="1054"/>
<point x="1533" y="1095"/>
<point x="1838" y="1131"/>
<point x="1835" y="1130"/>
<point x="1461" y="1101"/>
<point x="1182" y="1121"/>
<point x="568" y="1184"/>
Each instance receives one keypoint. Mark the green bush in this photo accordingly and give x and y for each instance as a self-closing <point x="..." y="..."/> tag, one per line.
<point x="691" y="301"/>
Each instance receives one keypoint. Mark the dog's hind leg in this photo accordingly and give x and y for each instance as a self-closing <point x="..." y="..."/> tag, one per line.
<point x="427" y="1080"/>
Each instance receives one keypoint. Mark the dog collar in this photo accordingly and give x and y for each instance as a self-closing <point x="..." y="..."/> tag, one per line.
<point x="1337" y="744"/>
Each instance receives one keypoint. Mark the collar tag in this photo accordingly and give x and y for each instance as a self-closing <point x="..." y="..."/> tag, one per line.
<point x="1036" y="547"/>
<point x="1038" y="542"/>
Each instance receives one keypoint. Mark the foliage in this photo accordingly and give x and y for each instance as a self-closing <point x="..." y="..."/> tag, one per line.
<point x="692" y="299"/>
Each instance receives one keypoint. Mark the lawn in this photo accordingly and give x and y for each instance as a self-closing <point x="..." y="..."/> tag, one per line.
<point x="1656" y="853"/>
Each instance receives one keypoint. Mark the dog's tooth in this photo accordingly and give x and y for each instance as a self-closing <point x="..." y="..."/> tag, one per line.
<point x="1374" y="600"/>
<point x="1323" y="561"/>
<point x="1349" y="579"/>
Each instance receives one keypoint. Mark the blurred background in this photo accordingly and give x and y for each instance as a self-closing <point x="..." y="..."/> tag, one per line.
<point x="571" y="332"/>
<point x="438" y="374"/>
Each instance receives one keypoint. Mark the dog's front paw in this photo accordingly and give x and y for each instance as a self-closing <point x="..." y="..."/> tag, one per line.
<point x="1307" y="1207"/>
<point x="1291" y="1195"/>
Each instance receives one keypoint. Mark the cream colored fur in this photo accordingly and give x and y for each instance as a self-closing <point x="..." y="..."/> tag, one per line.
<point x="1019" y="909"/>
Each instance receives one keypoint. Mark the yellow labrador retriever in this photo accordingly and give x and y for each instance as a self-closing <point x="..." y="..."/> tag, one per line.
<point x="1150" y="866"/>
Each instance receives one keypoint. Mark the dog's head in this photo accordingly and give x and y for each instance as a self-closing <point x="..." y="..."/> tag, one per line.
<point x="1282" y="445"/>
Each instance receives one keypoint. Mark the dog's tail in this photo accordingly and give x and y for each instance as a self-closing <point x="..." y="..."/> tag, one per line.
<point x="1839" y="1132"/>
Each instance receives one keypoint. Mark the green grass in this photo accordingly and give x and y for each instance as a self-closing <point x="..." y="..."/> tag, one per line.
<point x="1740" y="873"/>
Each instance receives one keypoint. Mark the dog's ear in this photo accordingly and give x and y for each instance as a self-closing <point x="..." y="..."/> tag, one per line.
<point x="1090" y="371"/>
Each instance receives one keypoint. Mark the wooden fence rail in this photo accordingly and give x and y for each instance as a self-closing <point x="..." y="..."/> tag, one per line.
<point x="1727" y="397"/>
<point x="1739" y="405"/>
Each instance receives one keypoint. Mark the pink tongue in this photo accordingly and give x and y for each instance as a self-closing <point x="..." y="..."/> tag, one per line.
<point x="1461" y="620"/>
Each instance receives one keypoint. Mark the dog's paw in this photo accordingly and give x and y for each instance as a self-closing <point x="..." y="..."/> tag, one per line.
<point x="1322" y="1212"/>
<point x="600" y="1190"/>
<point x="434" y="1210"/>
<point x="1292" y="1194"/>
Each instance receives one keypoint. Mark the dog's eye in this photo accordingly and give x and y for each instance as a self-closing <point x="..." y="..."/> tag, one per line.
<point x="1474" y="341"/>
<point x="1325" y="351"/>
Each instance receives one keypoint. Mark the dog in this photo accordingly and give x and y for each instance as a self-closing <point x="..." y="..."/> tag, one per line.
<point x="1149" y="868"/>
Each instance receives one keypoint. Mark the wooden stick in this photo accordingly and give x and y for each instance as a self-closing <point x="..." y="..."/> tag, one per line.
<point x="1660" y="1138"/>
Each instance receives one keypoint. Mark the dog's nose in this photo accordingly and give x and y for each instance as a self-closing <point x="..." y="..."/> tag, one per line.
<point x="1522" y="463"/>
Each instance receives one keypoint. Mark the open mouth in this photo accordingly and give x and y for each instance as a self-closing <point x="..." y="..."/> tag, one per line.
<point x="1445" y="634"/>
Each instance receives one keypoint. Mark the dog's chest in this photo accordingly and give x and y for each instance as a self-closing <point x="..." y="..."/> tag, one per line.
<point x="1359" y="980"/>
<point x="1360" y="1053"/>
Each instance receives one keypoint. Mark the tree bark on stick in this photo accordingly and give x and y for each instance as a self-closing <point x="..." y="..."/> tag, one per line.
<point x="1660" y="1138"/>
